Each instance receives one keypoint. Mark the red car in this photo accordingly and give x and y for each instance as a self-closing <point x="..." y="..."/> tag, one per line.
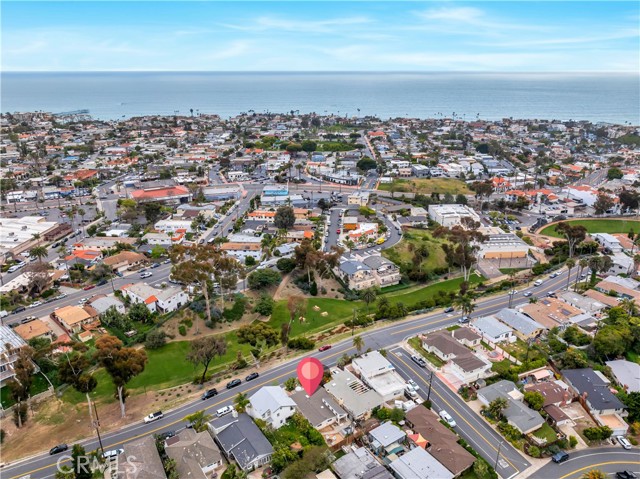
<point x="325" y="347"/>
<point x="91" y="286"/>
<point x="338" y="231"/>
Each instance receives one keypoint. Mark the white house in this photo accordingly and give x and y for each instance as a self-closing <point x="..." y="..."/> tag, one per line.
<point x="451" y="215"/>
<point x="272" y="405"/>
<point x="608" y="242"/>
<point x="493" y="330"/>
<point x="157" y="300"/>
<point x="379" y="374"/>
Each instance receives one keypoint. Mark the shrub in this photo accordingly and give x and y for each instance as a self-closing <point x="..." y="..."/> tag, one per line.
<point x="258" y="332"/>
<point x="264" y="306"/>
<point x="286" y="265"/>
<point x="155" y="339"/>
<point x="573" y="442"/>
<point x="313" y="290"/>
<point x="263" y="278"/>
<point x="301" y="343"/>
<point x="182" y="330"/>
<point x="237" y="310"/>
<point x="598" y="433"/>
<point x="534" y="451"/>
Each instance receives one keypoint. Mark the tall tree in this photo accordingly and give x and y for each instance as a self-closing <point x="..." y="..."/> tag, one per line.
<point x="285" y="218"/>
<point x="199" y="420"/>
<point x="369" y="296"/>
<point x="38" y="252"/>
<point x="73" y="370"/>
<point x="358" y="343"/>
<point x="570" y="263"/>
<point x="573" y="234"/>
<point x="122" y="364"/>
<point x="241" y="402"/>
<point x="204" y="350"/>
<point x="603" y="204"/>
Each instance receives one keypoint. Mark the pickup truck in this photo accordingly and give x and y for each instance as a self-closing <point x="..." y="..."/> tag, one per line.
<point x="154" y="416"/>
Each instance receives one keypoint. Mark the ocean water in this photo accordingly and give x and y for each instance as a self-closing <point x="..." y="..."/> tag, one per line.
<point x="613" y="98"/>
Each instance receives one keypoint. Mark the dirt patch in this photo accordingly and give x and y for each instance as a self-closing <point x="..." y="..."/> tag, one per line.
<point x="195" y="325"/>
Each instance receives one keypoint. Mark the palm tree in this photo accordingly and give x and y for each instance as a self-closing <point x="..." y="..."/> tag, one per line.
<point x="533" y="300"/>
<point x="358" y="343"/>
<point x="594" y="474"/>
<point x="82" y="212"/>
<point x="496" y="407"/>
<point x="369" y="296"/>
<point x="199" y="420"/>
<point x="570" y="263"/>
<point x="38" y="252"/>
<point x="583" y="263"/>
<point x="383" y="302"/>
<point x="241" y="402"/>
<point x="636" y="264"/>
<point x="629" y="305"/>
<point x="465" y="304"/>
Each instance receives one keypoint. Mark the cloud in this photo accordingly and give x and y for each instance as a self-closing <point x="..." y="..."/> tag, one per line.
<point x="267" y="23"/>
<point x="565" y="41"/>
<point x="232" y="50"/>
<point x="460" y="19"/>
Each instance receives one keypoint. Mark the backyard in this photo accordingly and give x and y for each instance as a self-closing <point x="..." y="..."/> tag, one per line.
<point x="40" y="384"/>
<point x="426" y="186"/>
<point x="597" y="226"/>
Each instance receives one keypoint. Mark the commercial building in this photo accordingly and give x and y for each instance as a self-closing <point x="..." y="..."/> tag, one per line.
<point x="222" y="192"/>
<point x="503" y="247"/>
<point x="16" y="234"/>
<point x="451" y="215"/>
<point x="359" y="198"/>
<point x="163" y="194"/>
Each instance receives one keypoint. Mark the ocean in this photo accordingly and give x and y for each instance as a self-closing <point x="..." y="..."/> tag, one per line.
<point x="612" y="98"/>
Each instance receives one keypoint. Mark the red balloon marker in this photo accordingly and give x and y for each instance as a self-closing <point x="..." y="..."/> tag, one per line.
<point x="310" y="373"/>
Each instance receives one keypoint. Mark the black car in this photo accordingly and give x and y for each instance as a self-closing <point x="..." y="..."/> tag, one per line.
<point x="234" y="383"/>
<point x="163" y="436"/>
<point x="58" y="449"/>
<point x="19" y="309"/>
<point x="209" y="393"/>
<point x="102" y="282"/>
<point x="155" y="265"/>
<point x="625" y="475"/>
<point x="449" y="309"/>
<point x="252" y="376"/>
<point x="559" y="457"/>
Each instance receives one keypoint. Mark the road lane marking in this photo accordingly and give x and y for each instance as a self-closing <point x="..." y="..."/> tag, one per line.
<point x="594" y="466"/>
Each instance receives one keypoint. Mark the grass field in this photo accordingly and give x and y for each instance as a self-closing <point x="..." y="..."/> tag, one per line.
<point x="40" y="384"/>
<point x="427" y="186"/>
<point x="598" y="226"/>
<point x="546" y="432"/>
<point x="338" y="311"/>
<point x="426" y="292"/>
<point x="401" y="254"/>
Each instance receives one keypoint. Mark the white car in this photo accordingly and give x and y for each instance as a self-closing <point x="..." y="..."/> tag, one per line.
<point x="413" y="384"/>
<point x="624" y="442"/>
<point x="446" y="417"/>
<point x="146" y="274"/>
<point x="154" y="416"/>
<point x="112" y="453"/>
<point x="527" y="294"/>
<point x="512" y="292"/>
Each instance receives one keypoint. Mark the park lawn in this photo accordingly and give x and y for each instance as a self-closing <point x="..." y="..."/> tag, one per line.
<point x="597" y="226"/>
<point x="546" y="432"/>
<point x="428" y="292"/>
<point x="339" y="310"/>
<point x="400" y="253"/>
<point x="426" y="186"/>
<point x="105" y="390"/>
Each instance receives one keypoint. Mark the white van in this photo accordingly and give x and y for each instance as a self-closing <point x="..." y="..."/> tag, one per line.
<point x="224" y="411"/>
<point x="538" y="282"/>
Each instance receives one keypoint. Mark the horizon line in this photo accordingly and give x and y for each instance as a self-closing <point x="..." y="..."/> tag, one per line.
<point x="335" y="71"/>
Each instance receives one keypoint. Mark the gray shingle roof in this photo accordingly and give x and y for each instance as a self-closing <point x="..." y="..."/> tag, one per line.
<point x="518" y="321"/>
<point x="598" y="394"/>
<point x="351" y="267"/>
<point x="243" y="441"/>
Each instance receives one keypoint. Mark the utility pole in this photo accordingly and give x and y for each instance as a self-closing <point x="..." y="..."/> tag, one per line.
<point x="495" y="466"/>
<point x="429" y="392"/>
<point x="353" y="322"/>
<point x="96" y="424"/>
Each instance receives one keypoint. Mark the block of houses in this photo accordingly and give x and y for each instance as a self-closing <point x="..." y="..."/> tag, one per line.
<point x="550" y="312"/>
<point x="492" y="330"/>
<point x="379" y="374"/>
<point x="523" y="418"/>
<point x="442" y="443"/>
<point x="140" y="460"/>
<point x="626" y="373"/>
<point x="195" y="453"/>
<point x="157" y="300"/>
<point x="102" y="302"/>
<point x="418" y="463"/>
<point x="10" y="345"/>
<point x="523" y="326"/>
<point x="34" y="329"/>
<point x="584" y="303"/>
<point x="125" y="260"/>
<point x="240" y="440"/>
<point x="72" y="318"/>
<point x="386" y="439"/>
<point x="462" y="361"/>
<point x="594" y="392"/>
<point x="320" y="409"/>
<point x="358" y="462"/>
<point x="353" y="395"/>
<point x="272" y="405"/>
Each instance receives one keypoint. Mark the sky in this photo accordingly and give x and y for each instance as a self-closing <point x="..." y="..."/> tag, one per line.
<point x="520" y="36"/>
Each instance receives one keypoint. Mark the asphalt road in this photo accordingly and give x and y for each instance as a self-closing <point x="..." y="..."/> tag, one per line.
<point x="608" y="459"/>
<point x="43" y="465"/>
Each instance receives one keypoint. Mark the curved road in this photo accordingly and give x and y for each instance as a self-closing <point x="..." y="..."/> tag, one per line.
<point x="479" y="434"/>
<point x="608" y="459"/>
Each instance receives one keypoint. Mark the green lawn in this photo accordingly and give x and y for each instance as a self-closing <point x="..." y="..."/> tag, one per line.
<point x="338" y="311"/>
<point x="401" y="254"/>
<point x="40" y="384"/>
<point x="427" y="186"/>
<point x="432" y="358"/>
<point x="427" y="292"/>
<point x="546" y="432"/>
<point x="633" y="357"/>
<point x="598" y="226"/>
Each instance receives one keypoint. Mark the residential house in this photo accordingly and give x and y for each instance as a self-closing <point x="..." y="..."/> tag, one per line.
<point x="125" y="260"/>
<point x="196" y="455"/>
<point x="609" y="243"/>
<point x="467" y="337"/>
<point x="34" y="329"/>
<point x="386" y="439"/>
<point x="84" y="256"/>
<point x="622" y="287"/>
<point x="626" y="373"/>
<point x="356" y="275"/>
<point x="523" y="326"/>
<point x="594" y="392"/>
<point x="10" y="345"/>
<point x="493" y="330"/>
<point x="386" y="272"/>
<point x="320" y="409"/>
<point x="556" y="395"/>
<point x="352" y="394"/>
<point x="157" y="300"/>
<point x="520" y="416"/>
<point x="442" y="443"/>
<point x="584" y="303"/>
<point x="140" y="460"/>
<point x="462" y="361"/>
<point x="418" y="463"/>
<point x="102" y="302"/>
<point x="550" y="312"/>
<point x="379" y="374"/>
<point x="242" y="441"/>
<point x="272" y="405"/>
<point x="72" y="318"/>
<point x="359" y="463"/>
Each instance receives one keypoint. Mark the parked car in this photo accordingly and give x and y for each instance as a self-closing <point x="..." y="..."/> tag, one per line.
<point x="166" y="261"/>
<point x="446" y="417"/>
<point x="35" y="304"/>
<point x="413" y="384"/>
<point x="19" y="309"/>
<point x="527" y="294"/>
<point x="234" y="383"/>
<point x="624" y="442"/>
<point x="155" y="265"/>
<point x="146" y="274"/>
<point x="224" y="411"/>
<point x="154" y="416"/>
<point x="119" y="274"/>
<point x="464" y="319"/>
<point x="324" y="348"/>
<point x="625" y="475"/>
<point x="91" y="286"/>
<point x="209" y="393"/>
<point x="58" y="449"/>
<point x="252" y="376"/>
<point x="163" y="436"/>
<point x="112" y="453"/>
<point x="102" y="282"/>
<point x="560" y="457"/>
<point x="538" y="282"/>
<point x="419" y="361"/>
<point x="450" y="309"/>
